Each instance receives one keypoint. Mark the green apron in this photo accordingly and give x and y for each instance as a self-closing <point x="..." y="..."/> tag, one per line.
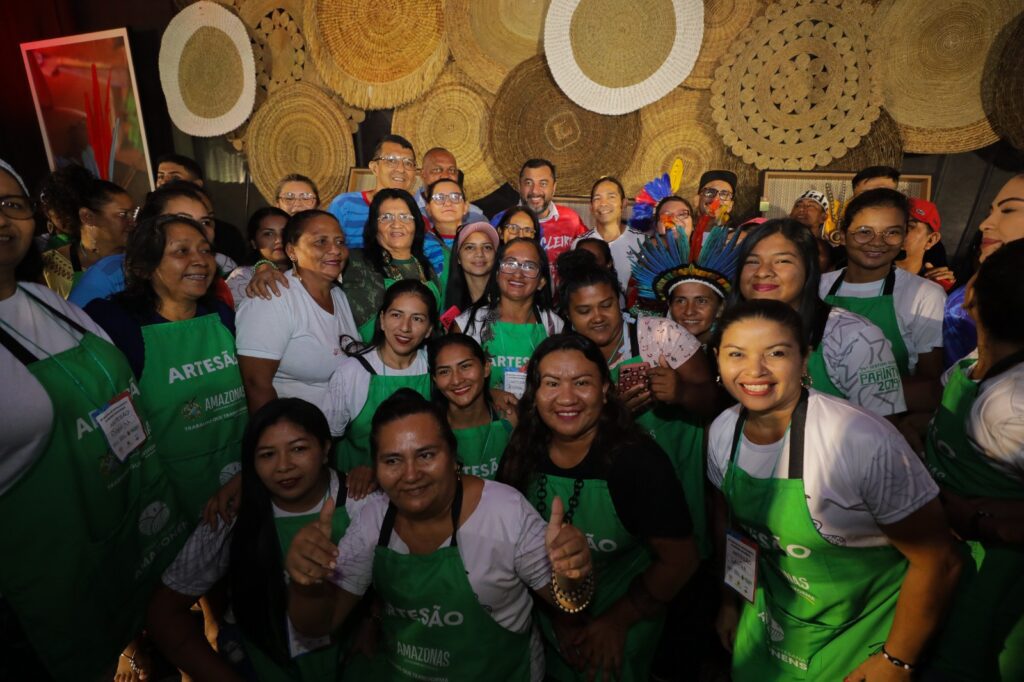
<point x="433" y="626"/>
<point x="820" y="609"/>
<point x="511" y="346"/>
<point x="988" y="607"/>
<point x="367" y="327"/>
<point x="880" y="310"/>
<point x="192" y="391"/>
<point x="86" y="536"/>
<point x="481" y="448"/>
<point x="617" y="557"/>
<point x="353" y="449"/>
<point x="683" y="441"/>
<point x="313" y="666"/>
<point x="816" y="367"/>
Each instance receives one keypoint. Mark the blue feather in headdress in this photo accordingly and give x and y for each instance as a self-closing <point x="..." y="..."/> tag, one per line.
<point x="648" y="198"/>
<point x="663" y="261"/>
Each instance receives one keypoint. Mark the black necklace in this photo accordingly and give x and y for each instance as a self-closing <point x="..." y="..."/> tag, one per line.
<point x="542" y="493"/>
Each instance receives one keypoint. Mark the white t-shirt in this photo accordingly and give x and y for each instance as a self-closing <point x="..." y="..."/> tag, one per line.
<point x="629" y="240"/>
<point x="920" y="306"/>
<point x="304" y="337"/>
<point x="659" y="337"/>
<point x="350" y="385"/>
<point x="859" y="472"/>
<point x="995" y="424"/>
<point x="26" y="413"/>
<point x="859" y="361"/>
<point x="237" y="281"/>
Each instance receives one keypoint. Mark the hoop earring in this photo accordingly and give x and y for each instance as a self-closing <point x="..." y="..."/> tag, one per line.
<point x="718" y="379"/>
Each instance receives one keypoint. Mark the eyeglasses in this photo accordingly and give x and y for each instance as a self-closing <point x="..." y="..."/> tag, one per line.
<point x="454" y="197"/>
<point x="529" y="269"/>
<point x="711" y="193"/>
<point x="16" y="207"/>
<point x="865" y="235"/>
<point x="393" y="161"/>
<point x="301" y="196"/>
<point x="524" y="230"/>
<point x="668" y="218"/>
<point x="392" y="217"/>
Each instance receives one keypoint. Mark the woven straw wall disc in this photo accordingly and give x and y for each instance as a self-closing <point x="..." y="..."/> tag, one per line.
<point x="800" y="90"/>
<point x="680" y="126"/>
<point x="278" y="41"/>
<point x="1006" y="89"/>
<point x="490" y="37"/>
<point x="207" y="70"/>
<point x="532" y="117"/>
<point x="882" y="146"/>
<point x="594" y="51"/>
<point x="377" y="54"/>
<point x="453" y="115"/>
<point x="724" y="22"/>
<point x="299" y="129"/>
<point x="931" y="76"/>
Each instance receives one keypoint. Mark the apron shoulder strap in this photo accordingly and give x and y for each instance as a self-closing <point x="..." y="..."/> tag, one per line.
<point x="366" y="364"/>
<point x="890" y="283"/>
<point x="796" y="437"/>
<point x="820" y="322"/>
<point x="838" y="283"/>
<point x="20" y="353"/>
<point x="634" y="338"/>
<point x="388" y="526"/>
<point x="74" y="325"/>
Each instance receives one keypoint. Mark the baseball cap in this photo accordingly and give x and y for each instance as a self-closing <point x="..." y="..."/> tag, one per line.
<point x="925" y="212"/>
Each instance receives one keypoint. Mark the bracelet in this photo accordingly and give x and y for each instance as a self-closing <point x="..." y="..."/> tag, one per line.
<point x="575" y="600"/>
<point x="896" y="661"/>
<point x="264" y="261"/>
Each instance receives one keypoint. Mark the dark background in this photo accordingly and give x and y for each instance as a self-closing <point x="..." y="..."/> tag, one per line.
<point x="963" y="184"/>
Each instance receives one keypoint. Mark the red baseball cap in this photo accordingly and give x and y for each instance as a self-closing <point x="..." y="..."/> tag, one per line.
<point x="925" y="212"/>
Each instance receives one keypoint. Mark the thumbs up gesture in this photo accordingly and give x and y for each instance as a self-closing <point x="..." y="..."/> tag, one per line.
<point x="566" y="546"/>
<point x="311" y="556"/>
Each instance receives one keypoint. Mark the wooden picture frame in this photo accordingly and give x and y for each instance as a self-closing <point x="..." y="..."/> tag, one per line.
<point x="782" y="188"/>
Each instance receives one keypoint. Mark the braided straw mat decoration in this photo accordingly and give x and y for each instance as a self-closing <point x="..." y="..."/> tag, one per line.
<point x="801" y="90"/>
<point x="278" y="43"/>
<point x="724" y="22"/>
<point x="377" y="54"/>
<point x="680" y="126"/>
<point x="533" y="118"/>
<point x="1006" y="86"/>
<point x="882" y="146"/>
<point x="931" y="76"/>
<point x="300" y="129"/>
<point x="453" y="115"/>
<point x="490" y="37"/>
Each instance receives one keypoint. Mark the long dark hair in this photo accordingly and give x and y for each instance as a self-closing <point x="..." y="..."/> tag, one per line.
<point x="157" y="200"/>
<point x="406" y="402"/>
<point x="253" y="228"/>
<point x="577" y="269"/>
<point x="528" y="445"/>
<point x="492" y="294"/>
<point x="255" y="568"/>
<point x="68" y="189"/>
<point x="145" y="250"/>
<point x="456" y="292"/>
<point x="880" y="197"/>
<point x="812" y="310"/>
<point x="352" y="346"/>
<point x="506" y="218"/>
<point x="377" y="255"/>
<point x="998" y="290"/>
<point x="438" y="344"/>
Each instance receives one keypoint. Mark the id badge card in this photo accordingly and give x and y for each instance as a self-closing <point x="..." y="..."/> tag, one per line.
<point x="515" y="383"/>
<point x="741" y="564"/>
<point x="121" y="425"/>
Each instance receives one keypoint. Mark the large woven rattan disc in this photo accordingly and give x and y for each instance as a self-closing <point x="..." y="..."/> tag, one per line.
<point x="798" y="89"/>
<point x="278" y="41"/>
<point x="1005" y="85"/>
<point x="207" y="71"/>
<point x="931" y="76"/>
<point x="532" y="117"/>
<point x="489" y="37"/>
<point x="680" y="126"/>
<point x="882" y="146"/>
<point x="299" y="129"/>
<point x="377" y="54"/>
<point x="591" y="48"/>
<point x="725" y="21"/>
<point x="453" y="115"/>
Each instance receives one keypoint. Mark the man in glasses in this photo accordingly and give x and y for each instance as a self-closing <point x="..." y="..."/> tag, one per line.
<point x="559" y="225"/>
<point x="393" y="165"/>
<point x="715" y="184"/>
<point x="440" y="164"/>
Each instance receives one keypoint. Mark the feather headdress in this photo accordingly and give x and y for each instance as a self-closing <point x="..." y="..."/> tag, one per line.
<point x="665" y="261"/>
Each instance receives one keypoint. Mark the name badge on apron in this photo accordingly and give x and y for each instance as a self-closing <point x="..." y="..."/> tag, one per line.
<point x="741" y="564"/>
<point x="121" y="425"/>
<point x="515" y="383"/>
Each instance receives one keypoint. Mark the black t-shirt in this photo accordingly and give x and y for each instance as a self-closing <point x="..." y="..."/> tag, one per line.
<point x="125" y="328"/>
<point x="648" y="497"/>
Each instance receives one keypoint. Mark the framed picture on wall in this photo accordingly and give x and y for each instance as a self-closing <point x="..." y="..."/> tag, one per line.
<point x="87" y="104"/>
<point x="781" y="188"/>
